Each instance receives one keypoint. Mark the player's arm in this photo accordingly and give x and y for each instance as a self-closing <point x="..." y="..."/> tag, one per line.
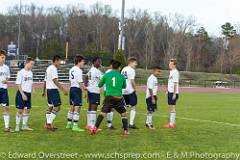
<point x="101" y="82"/>
<point x="44" y="88"/>
<point x="133" y="84"/>
<point x="24" y="97"/>
<point x="175" y="91"/>
<point x="150" y="89"/>
<point x="57" y="83"/>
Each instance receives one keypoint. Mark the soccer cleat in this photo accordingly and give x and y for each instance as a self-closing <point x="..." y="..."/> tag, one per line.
<point x="49" y="127"/>
<point x="125" y="133"/>
<point x="69" y="126"/>
<point x="93" y="131"/>
<point x="54" y="127"/>
<point x="99" y="130"/>
<point x="133" y="126"/>
<point x="10" y="130"/>
<point x="150" y="126"/>
<point x="26" y="128"/>
<point x="75" y="128"/>
<point x="169" y="126"/>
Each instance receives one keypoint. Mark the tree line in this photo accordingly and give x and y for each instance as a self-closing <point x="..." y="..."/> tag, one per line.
<point x="153" y="38"/>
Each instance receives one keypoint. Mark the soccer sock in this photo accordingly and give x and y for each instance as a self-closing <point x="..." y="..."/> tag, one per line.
<point x="88" y="118"/>
<point x="52" y="116"/>
<point x="99" y="121"/>
<point x="132" y="116"/>
<point x="25" y="119"/>
<point x="150" y="118"/>
<point x="147" y="120"/>
<point x="18" y="119"/>
<point x="109" y="119"/>
<point x="172" y="117"/>
<point x="48" y="118"/>
<point x="70" y="117"/>
<point x="6" y="118"/>
<point x="125" y="123"/>
<point x="92" y="118"/>
<point x="75" y="118"/>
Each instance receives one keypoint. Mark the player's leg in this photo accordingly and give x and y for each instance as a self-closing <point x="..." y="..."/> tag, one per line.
<point x="110" y="119"/>
<point x="20" y="106"/>
<point x="18" y="119"/>
<point x="76" y="116"/>
<point x="26" y="111"/>
<point x="133" y="103"/>
<point x="121" y="109"/>
<point x="94" y="101"/>
<point x="70" y="117"/>
<point x="4" y="101"/>
<point x="172" y="111"/>
<point x="151" y="109"/>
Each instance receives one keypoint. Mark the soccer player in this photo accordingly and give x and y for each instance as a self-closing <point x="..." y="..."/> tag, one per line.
<point x="110" y="114"/>
<point x="23" y="100"/>
<point x="173" y="92"/>
<point x="151" y="95"/>
<point x="52" y="85"/>
<point x="114" y="83"/>
<point x="76" y="91"/>
<point x="91" y="81"/>
<point x="4" y="99"/>
<point x="129" y="93"/>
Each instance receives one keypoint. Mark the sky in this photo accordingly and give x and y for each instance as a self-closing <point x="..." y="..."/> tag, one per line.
<point x="210" y="14"/>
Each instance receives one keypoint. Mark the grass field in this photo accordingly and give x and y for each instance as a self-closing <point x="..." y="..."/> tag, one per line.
<point x="206" y="122"/>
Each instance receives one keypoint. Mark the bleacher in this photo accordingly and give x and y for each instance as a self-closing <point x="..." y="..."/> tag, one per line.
<point x="40" y="69"/>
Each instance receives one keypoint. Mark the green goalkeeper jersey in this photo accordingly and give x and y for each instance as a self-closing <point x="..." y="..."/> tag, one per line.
<point x="114" y="82"/>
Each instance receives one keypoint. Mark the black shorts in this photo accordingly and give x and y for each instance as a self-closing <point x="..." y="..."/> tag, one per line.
<point x="172" y="101"/>
<point x="20" y="103"/>
<point x="150" y="106"/>
<point x="114" y="102"/>
<point x="75" y="98"/>
<point x="131" y="99"/>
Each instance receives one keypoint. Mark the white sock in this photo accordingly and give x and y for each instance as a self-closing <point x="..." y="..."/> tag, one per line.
<point x="52" y="117"/>
<point x="18" y="119"/>
<point x="88" y="118"/>
<point x="147" y="119"/>
<point x="172" y="117"/>
<point x="75" y="118"/>
<point x="48" y="118"/>
<point x="70" y="117"/>
<point x="25" y="119"/>
<point x="150" y="119"/>
<point x="132" y="116"/>
<point x="93" y="118"/>
<point x="6" y="118"/>
<point x="109" y="119"/>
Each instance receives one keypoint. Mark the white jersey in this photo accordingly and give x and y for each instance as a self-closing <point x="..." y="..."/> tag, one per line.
<point x="25" y="79"/>
<point x="152" y="83"/>
<point x="75" y="76"/>
<point x="129" y="74"/>
<point x="50" y="75"/>
<point x="4" y="75"/>
<point x="94" y="76"/>
<point x="173" y="78"/>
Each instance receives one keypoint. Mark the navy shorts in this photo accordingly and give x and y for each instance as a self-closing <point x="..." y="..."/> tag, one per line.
<point x="131" y="99"/>
<point x="150" y="106"/>
<point x="54" y="99"/>
<point x="171" y="101"/>
<point x="93" y="98"/>
<point x="20" y="103"/>
<point x="4" y="99"/>
<point x="75" y="98"/>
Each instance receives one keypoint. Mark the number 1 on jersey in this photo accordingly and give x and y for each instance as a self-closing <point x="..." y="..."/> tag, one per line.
<point x="114" y="81"/>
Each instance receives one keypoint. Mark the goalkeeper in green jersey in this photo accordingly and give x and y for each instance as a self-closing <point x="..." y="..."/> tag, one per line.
<point x="114" y="83"/>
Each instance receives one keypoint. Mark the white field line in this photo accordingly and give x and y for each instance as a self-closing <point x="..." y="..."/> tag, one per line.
<point x="182" y="118"/>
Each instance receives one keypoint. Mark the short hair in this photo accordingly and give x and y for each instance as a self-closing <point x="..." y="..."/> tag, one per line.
<point x="78" y="58"/>
<point x="132" y="59"/>
<point x="95" y="59"/>
<point x="174" y="61"/>
<point x="157" y="68"/>
<point x="3" y="52"/>
<point x="56" y="58"/>
<point x="111" y="62"/>
<point x="29" y="59"/>
<point x="116" y="64"/>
